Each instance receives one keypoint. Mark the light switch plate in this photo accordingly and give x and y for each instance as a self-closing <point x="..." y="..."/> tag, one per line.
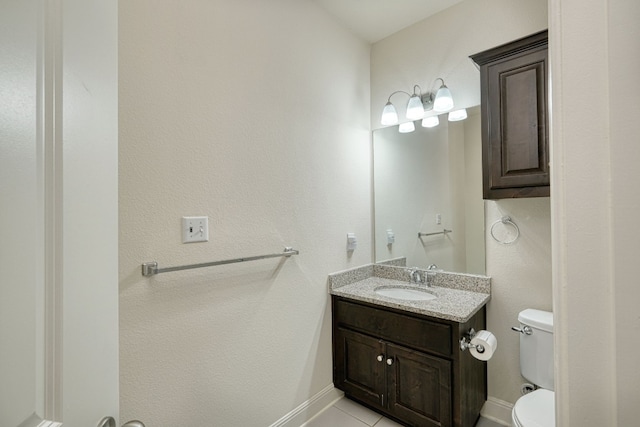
<point x="195" y="229"/>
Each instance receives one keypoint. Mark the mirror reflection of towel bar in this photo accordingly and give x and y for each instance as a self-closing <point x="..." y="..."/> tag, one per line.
<point x="445" y="231"/>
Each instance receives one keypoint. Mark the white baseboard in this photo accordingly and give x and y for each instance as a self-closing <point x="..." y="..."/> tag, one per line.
<point x="494" y="409"/>
<point x="497" y="411"/>
<point x="310" y="408"/>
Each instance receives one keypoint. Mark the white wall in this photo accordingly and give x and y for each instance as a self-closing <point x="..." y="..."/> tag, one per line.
<point x="596" y="199"/>
<point x="520" y="278"/>
<point x="440" y="47"/>
<point x="255" y="114"/>
<point x="58" y="220"/>
<point x="88" y="187"/>
<point x="474" y="205"/>
<point x="21" y="199"/>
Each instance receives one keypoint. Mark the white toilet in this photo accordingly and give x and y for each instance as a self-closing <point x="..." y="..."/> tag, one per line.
<point x="536" y="409"/>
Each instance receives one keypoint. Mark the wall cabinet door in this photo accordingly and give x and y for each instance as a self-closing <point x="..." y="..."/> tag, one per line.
<point x="515" y="152"/>
<point x="419" y="387"/>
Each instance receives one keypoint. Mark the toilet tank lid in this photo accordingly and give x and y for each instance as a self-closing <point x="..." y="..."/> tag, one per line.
<point x="537" y="319"/>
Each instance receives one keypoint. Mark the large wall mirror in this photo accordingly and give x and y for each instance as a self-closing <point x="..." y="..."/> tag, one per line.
<point x="428" y="181"/>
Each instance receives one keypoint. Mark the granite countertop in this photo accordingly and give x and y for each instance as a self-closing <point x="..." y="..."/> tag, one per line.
<point x="458" y="296"/>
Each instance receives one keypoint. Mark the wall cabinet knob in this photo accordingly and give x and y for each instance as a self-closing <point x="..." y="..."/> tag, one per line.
<point x="380" y="358"/>
<point x="390" y="361"/>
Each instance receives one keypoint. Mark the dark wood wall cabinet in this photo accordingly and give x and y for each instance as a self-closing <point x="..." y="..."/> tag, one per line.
<point x="514" y="91"/>
<point x="407" y="366"/>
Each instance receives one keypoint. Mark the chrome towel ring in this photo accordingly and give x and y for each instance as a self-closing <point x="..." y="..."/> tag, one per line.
<point x="507" y="221"/>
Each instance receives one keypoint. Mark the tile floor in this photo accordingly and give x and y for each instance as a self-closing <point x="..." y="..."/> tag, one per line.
<point x="347" y="413"/>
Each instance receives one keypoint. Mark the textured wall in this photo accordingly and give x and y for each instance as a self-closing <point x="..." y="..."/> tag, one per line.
<point x="439" y="47"/>
<point x="255" y="114"/>
<point x="520" y="278"/>
<point x="596" y="198"/>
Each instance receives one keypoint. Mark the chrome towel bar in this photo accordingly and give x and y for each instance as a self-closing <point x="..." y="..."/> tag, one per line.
<point x="445" y="231"/>
<point x="151" y="268"/>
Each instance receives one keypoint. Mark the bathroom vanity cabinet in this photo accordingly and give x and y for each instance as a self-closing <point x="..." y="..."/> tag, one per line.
<point x="514" y="91"/>
<point x="407" y="366"/>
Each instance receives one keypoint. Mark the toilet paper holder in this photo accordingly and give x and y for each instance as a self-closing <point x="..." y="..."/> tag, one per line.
<point x="465" y="342"/>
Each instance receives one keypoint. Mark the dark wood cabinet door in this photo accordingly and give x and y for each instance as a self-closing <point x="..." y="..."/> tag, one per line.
<point x="408" y="368"/>
<point x="515" y="153"/>
<point x="359" y="365"/>
<point x="419" y="387"/>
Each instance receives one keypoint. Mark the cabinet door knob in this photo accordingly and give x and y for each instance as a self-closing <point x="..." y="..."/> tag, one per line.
<point x="390" y="361"/>
<point x="380" y="358"/>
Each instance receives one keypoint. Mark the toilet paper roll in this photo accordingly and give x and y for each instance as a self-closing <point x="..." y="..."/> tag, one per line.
<point x="484" y="344"/>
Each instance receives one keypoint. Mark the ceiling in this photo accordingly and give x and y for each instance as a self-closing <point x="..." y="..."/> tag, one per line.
<point x="374" y="20"/>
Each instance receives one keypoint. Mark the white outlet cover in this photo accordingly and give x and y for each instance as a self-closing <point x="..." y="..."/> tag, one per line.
<point x="195" y="229"/>
<point x="352" y="242"/>
<point x="391" y="237"/>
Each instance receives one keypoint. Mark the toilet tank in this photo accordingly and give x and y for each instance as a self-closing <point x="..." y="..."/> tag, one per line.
<point x="536" y="350"/>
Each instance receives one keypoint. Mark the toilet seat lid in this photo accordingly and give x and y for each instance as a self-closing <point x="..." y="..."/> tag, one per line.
<point x="536" y="409"/>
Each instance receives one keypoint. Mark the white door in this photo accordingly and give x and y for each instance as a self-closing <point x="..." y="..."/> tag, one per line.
<point x="58" y="212"/>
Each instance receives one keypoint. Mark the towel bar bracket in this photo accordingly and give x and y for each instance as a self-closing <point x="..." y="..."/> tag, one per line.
<point x="149" y="268"/>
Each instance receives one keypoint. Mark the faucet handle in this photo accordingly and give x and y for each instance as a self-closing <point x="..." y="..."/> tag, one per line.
<point x="523" y="330"/>
<point x="414" y="275"/>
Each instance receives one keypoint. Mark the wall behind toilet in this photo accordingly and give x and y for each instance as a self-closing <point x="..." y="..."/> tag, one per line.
<point x="439" y="47"/>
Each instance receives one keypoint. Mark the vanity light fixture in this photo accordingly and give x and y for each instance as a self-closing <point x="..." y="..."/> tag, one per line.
<point x="418" y="104"/>
<point x="458" y="115"/>
<point x="389" y="114"/>
<point x="444" y="100"/>
<point x="406" y="127"/>
<point x="431" y="121"/>
<point x="415" y="109"/>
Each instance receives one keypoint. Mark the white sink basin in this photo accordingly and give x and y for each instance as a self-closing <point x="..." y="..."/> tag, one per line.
<point x="405" y="293"/>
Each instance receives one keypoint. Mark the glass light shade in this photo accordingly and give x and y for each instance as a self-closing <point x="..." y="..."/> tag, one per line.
<point x="457" y="115"/>
<point x="415" y="110"/>
<point x="389" y="115"/>
<point x="431" y="121"/>
<point x="444" y="100"/>
<point x="406" y="127"/>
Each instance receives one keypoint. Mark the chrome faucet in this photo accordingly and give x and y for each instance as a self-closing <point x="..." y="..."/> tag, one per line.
<point x="415" y="276"/>
<point x="419" y="277"/>
<point x="430" y="274"/>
